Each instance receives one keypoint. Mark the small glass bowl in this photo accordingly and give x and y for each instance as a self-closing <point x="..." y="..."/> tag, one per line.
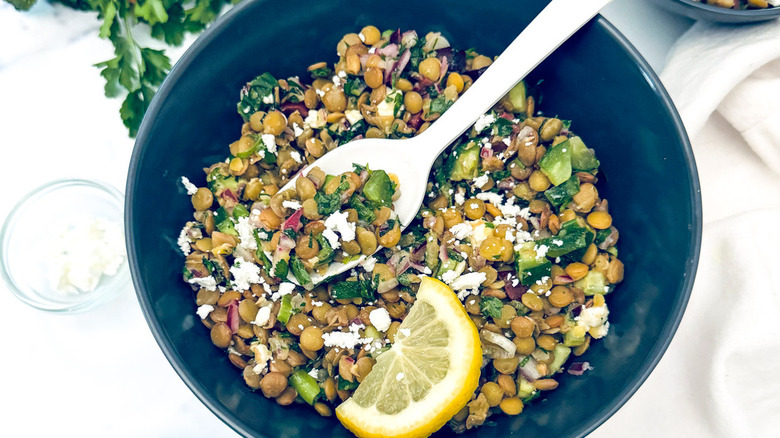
<point x="35" y="222"/>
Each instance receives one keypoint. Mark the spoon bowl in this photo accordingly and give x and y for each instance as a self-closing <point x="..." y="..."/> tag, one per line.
<point x="411" y="159"/>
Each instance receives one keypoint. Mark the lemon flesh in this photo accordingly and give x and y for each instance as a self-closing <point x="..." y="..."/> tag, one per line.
<point x="427" y="376"/>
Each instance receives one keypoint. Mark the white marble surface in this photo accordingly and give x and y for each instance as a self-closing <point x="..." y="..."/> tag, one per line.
<point x="101" y="373"/>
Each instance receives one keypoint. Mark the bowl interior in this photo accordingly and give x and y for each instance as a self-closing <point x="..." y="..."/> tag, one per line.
<point x="616" y="103"/>
<point x="703" y="11"/>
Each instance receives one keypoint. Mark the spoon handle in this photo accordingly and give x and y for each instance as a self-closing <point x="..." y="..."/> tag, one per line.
<point x="558" y="21"/>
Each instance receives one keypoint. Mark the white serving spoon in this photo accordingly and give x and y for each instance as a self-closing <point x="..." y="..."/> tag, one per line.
<point x="411" y="159"/>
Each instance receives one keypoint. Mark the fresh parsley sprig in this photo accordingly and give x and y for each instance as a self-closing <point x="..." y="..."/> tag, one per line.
<point x="136" y="72"/>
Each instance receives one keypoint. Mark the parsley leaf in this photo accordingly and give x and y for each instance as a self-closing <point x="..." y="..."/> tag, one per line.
<point x="491" y="307"/>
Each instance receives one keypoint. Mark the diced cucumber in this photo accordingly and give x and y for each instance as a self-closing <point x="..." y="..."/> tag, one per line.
<point x="582" y="158"/>
<point x="562" y="353"/>
<point x="466" y="165"/>
<point x="524" y="387"/>
<point x="592" y="283"/>
<point x="531" y="268"/>
<point x="556" y="163"/>
<point x="517" y="97"/>
<point x="574" y="337"/>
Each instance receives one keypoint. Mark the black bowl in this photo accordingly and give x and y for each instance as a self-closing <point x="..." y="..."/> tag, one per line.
<point x="597" y="79"/>
<point x="702" y="11"/>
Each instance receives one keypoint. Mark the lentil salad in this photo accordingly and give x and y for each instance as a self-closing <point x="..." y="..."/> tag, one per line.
<point x="513" y="223"/>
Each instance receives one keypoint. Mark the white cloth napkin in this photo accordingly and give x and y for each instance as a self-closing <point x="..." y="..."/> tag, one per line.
<point x="719" y="376"/>
<point x="736" y="71"/>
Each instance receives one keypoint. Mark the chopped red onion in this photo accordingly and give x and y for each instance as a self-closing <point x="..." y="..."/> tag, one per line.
<point x="579" y="368"/>
<point x="232" y="316"/>
<point x="290" y="107"/>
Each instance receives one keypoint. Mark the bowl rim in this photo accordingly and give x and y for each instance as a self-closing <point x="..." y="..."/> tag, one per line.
<point x="228" y="417"/>
<point x="775" y="11"/>
<point x="90" y="301"/>
<point x="702" y="11"/>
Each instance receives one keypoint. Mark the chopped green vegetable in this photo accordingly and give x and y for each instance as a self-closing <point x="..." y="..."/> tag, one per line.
<point x="530" y="267"/>
<point x="346" y="385"/>
<point x="326" y="253"/>
<point x="517" y="98"/>
<point x="255" y="95"/>
<point x="224" y="222"/>
<point x="491" y="307"/>
<point x="281" y="269"/>
<point x="465" y="165"/>
<point x="353" y="289"/>
<point x="300" y="274"/>
<point x="306" y="386"/>
<point x="563" y="244"/>
<point x="354" y="86"/>
<point x="582" y="158"/>
<point x="285" y="309"/>
<point x="379" y="188"/>
<point x="592" y="283"/>
<point x="561" y="353"/>
<point x="240" y="211"/>
<point x="365" y="213"/>
<point x="601" y="236"/>
<point x="440" y="104"/>
<point x="556" y="163"/>
<point x="560" y="196"/>
<point x="327" y="204"/>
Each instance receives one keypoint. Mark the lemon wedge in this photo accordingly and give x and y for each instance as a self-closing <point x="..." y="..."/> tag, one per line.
<point x="427" y="376"/>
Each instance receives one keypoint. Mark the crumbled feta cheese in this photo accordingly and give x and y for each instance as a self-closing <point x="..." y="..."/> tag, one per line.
<point x="346" y="340"/>
<point x="184" y="241"/>
<point x="262" y="356"/>
<point x="481" y="181"/>
<point x="314" y="373"/>
<point x="204" y="310"/>
<point x="353" y="116"/>
<point x="285" y="288"/>
<point x="449" y="276"/>
<point x="297" y="131"/>
<point x="314" y="120"/>
<point x="484" y="121"/>
<point x="506" y="140"/>
<point x="459" y="198"/>
<point x="83" y="252"/>
<point x="317" y="303"/>
<point x="332" y="237"/>
<point x="208" y="283"/>
<point x="386" y="108"/>
<point x="593" y="316"/>
<point x="427" y="271"/>
<point x="368" y="263"/>
<point x="480" y="233"/>
<point x="380" y="319"/>
<point x="471" y="280"/>
<point x="246" y="233"/>
<point x="510" y="236"/>
<point x="338" y="222"/>
<point x="462" y="230"/>
<point x="557" y="242"/>
<point x="295" y="205"/>
<point x="244" y="273"/>
<point x="270" y="142"/>
<point x="263" y="315"/>
<point x="493" y="198"/>
<point x="295" y="155"/>
<point x="190" y="187"/>
<point x="541" y="250"/>
<point x="336" y="81"/>
<point x="268" y="99"/>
